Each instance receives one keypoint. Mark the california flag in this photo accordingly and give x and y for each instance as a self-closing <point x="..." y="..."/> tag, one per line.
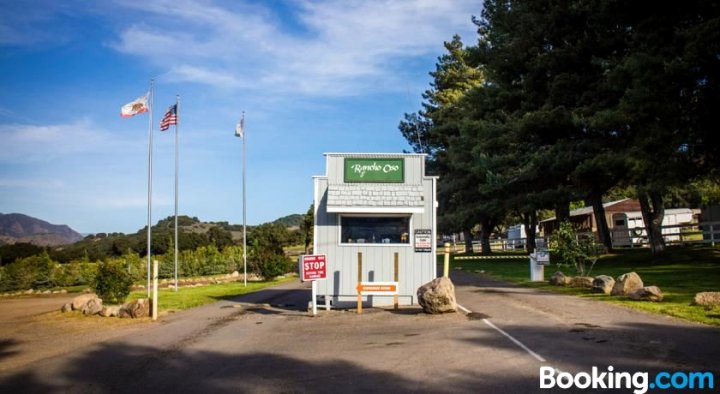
<point x="137" y="106"/>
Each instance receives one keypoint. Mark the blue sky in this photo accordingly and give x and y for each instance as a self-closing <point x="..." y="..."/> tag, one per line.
<point x="311" y="76"/>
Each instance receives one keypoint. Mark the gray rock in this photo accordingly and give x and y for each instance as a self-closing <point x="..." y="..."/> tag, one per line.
<point x="80" y="301"/>
<point x="136" y="309"/>
<point x="649" y="293"/>
<point x="110" y="311"/>
<point x="626" y="284"/>
<point x="66" y="308"/>
<point x="235" y="274"/>
<point x="437" y="296"/>
<point x="582" y="281"/>
<point x="559" y="279"/>
<point x="603" y="284"/>
<point x="92" y="307"/>
<point x="707" y="299"/>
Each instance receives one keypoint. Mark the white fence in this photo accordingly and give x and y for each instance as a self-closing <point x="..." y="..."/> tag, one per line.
<point x="678" y="234"/>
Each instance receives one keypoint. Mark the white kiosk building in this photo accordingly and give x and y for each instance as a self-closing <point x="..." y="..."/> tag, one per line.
<point x="378" y="209"/>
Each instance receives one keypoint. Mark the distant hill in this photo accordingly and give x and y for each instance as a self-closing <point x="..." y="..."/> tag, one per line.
<point x="17" y="228"/>
<point x="294" y="220"/>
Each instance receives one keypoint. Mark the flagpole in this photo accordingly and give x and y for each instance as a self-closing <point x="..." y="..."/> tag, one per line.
<point x="150" y="172"/>
<point x="242" y="122"/>
<point x="240" y="132"/>
<point x="177" y="161"/>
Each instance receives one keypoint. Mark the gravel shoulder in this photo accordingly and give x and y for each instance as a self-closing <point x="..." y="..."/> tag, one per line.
<point x="33" y="328"/>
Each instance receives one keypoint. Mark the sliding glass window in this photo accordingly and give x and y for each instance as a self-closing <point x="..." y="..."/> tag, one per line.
<point x="375" y="230"/>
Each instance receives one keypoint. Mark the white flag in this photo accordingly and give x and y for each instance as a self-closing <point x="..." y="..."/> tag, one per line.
<point x="137" y="106"/>
<point x="239" y="129"/>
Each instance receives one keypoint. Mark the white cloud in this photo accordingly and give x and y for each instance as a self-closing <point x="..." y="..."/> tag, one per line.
<point x="339" y="48"/>
<point x="205" y="76"/>
<point x="23" y="142"/>
<point x="31" y="184"/>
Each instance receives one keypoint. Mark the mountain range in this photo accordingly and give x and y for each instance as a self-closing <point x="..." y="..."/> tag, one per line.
<point x="17" y="228"/>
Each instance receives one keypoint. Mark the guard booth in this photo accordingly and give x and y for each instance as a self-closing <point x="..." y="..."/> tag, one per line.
<point x="383" y="207"/>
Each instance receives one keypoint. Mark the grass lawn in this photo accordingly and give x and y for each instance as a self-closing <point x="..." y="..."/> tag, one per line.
<point x="680" y="272"/>
<point x="170" y="300"/>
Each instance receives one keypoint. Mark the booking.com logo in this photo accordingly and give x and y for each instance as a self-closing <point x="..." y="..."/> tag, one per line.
<point x="640" y="382"/>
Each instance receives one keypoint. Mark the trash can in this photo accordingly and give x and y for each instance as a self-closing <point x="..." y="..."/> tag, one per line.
<point x="538" y="260"/>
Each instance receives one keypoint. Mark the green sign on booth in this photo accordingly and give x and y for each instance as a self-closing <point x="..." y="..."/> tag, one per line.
<point x="366" y="170"/>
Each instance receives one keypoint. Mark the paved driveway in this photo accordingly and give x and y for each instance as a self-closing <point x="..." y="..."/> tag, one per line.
<point x="264" y="342"/>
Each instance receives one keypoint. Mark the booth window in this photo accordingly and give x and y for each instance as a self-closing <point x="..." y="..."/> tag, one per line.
<point x="375" y="230"/>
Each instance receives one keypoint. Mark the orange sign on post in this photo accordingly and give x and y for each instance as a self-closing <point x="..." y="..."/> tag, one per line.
<point x="377" y="288"/>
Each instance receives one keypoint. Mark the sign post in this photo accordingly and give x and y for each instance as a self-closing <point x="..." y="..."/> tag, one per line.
<point x="313" y="268"/>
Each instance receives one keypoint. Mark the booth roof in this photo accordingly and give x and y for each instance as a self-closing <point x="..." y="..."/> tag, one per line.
<point x="370" y="197"/>
<point x="375" y="155"/>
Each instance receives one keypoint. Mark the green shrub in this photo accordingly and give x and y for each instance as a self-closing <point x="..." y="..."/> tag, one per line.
<point x="77" y="272"/>
<point x="112" y="282"/>
<point x="35" y="272"/>
<point x="273" y="266"/>
<point x="573" y="250"/>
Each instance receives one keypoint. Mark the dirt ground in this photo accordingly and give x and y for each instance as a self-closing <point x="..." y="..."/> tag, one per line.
<point x="32" y="328"/>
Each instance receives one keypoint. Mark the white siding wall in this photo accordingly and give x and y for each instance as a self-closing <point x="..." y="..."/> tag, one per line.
<point x="415" y="269"/>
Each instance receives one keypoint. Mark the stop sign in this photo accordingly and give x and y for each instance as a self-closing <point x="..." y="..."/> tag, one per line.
<point x="313" y="267"/>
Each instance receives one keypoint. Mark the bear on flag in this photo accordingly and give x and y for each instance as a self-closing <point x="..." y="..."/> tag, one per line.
<point x="137" y="106"/>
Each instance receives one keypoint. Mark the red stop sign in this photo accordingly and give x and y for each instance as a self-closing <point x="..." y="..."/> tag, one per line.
<point x="313" y="267"/>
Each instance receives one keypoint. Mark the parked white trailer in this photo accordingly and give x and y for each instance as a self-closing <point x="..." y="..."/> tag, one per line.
<point x="629" y="227"/>
<point x="516" y="236"/>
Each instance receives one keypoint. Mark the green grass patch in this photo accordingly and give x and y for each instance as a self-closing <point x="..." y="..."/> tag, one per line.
<point x="170" y="300"/>
<point x="680" y="272"/>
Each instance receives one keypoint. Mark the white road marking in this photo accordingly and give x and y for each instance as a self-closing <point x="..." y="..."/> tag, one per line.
<point x="465" y="310"/>
<point x="510" y="337"/>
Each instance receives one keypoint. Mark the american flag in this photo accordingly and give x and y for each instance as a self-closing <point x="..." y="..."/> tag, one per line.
<point x="170" y="118"/>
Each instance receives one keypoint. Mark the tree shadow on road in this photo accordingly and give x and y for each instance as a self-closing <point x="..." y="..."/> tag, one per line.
<point x="634" y="346"/>
<point x="294" y="300"/>
<point x="136" y="369"/>
<point x="6" y="346"/>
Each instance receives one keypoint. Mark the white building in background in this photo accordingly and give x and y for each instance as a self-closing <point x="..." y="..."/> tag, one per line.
<point x="377" y="205"/>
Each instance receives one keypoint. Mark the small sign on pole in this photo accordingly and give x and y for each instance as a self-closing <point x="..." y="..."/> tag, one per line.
<point x="313" y="268"/>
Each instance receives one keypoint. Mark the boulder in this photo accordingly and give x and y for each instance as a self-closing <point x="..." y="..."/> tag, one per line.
<point x="582" y="281"/>
<point x="648" y="293"/>
<point x="437" y="296"/>
<point x="80" y="301"/>
<point x="603" y="284"/>
<point x="559" y="279"/>
<point x="66" y="308"/>
<point x="110" y="311"/>
<point x="136" y="309"/>
<point x="707" y="299"/>
<point x="626" y="284"/>
<point x="92" y="307"/>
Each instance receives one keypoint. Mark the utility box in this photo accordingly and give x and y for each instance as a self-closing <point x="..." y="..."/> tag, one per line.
<point x="538" y="260"/>
<point x="380" y="206"/>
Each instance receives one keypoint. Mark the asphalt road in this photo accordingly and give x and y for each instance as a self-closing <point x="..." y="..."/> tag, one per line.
<point x="266" y="342"/>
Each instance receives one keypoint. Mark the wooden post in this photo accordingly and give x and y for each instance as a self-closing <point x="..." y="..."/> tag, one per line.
<point x="395" y="297"/>
<point x="359" y="296"/>
<point x="446" y="266"/>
